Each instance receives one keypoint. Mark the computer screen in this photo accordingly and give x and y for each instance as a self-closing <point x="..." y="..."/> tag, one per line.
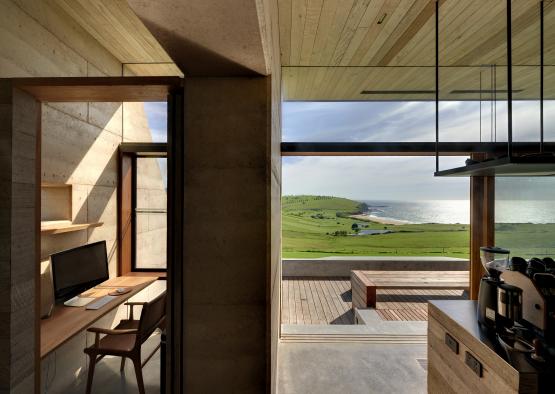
<point x="76" y="270"/>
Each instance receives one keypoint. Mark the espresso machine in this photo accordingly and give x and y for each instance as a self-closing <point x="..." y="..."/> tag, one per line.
<point x="494" y="260"/>
<point x="516" y="308"/>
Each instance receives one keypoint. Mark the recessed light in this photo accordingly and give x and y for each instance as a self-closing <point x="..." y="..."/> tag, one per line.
<point x="397" y="92"/>
<point x="382" y="19"/>
<point x="477" y="91"/>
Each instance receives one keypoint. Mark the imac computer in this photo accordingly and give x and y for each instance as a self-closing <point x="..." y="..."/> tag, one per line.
<point x="79" y="269"/>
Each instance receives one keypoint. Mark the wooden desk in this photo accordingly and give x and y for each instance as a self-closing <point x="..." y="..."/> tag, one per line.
<point x="66" y="321"/>
<point x="365" y="283"/>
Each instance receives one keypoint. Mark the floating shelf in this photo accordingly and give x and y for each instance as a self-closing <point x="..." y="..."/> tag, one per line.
<point x="64" y="226"/>
<point x="57" y="185"/>
<point x="505" y="166"/>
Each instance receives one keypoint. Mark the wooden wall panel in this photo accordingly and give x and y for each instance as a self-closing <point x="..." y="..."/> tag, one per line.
<point x="482" y="226"/>
<point x="125" y="229"/>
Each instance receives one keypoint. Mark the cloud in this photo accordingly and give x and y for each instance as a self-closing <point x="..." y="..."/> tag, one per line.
<point x="412" y="121"/>
<point x="372" y="178"/>
<point x="157" y="115"/>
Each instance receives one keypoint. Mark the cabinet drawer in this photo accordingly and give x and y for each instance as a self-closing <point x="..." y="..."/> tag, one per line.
<point x="458" y="366"/>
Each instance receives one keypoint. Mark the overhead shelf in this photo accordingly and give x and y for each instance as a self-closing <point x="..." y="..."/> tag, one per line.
<point x="64" y="226"/>
<point x="505" y="166"/>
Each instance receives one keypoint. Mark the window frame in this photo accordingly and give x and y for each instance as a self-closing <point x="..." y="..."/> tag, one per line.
<point x="133" y="151"/>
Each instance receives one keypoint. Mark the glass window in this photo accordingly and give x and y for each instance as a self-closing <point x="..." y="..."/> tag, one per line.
<point x="373" y="206"/>
<point x="157" y="117"/>
<point x="525" y="216"/>
<point x="151" y="213"/>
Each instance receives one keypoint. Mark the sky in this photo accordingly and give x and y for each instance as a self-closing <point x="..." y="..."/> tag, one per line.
<point x="399" y="178"/>
<point x="392" y="178"/>
<point x="157" y="116"/>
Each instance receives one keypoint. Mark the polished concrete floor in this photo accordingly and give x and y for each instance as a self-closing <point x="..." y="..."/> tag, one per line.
<point x="354" y="368"/>
<point x="109" y="380"/>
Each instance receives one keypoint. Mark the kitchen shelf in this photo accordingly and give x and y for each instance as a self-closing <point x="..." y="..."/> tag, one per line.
<point x="64" y="226"/>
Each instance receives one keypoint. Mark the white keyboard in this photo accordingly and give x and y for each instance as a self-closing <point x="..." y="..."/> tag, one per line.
<point x="100" y="302"/>
<point x="78" y="301"/>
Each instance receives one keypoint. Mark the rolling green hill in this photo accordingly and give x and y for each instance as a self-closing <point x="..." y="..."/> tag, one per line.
<point x="319" y="226"/>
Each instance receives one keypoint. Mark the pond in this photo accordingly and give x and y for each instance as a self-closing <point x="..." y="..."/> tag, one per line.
<point x="374" y="232"/>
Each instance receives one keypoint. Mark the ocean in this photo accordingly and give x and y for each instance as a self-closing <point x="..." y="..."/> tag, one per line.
<point x="458" y="211"/>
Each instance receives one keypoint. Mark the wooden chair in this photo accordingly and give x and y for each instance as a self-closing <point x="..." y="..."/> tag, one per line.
<point x="126" y="338"/>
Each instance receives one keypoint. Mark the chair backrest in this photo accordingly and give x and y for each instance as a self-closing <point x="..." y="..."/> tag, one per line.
<point x="152" y="315"/>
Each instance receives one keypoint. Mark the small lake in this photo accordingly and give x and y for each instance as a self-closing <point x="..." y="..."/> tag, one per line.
<point x="374" y="232"/>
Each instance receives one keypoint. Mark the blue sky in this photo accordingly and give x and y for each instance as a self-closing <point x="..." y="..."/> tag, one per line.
<point x="394" y="178"/>
<point x="390" y="178"/>
<point x="157" y="116"/>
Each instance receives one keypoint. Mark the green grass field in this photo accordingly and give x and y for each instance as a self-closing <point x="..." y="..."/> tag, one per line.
<point x="310" y="222"/>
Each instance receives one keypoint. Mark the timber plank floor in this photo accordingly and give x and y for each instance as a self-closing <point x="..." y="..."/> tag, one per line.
<point x="316" y="300"/>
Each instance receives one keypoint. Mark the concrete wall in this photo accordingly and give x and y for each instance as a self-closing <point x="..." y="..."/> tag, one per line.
<point x="226" y="233"/>
<point x="342" y="267"/>
<point x="79" y="144"/>
<point x="18" y="239"/>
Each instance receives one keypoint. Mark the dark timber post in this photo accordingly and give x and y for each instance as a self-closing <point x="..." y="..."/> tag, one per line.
<point x="509" y="81"/>
<point x="174" y="315"/>
<point x="437" y="85"/>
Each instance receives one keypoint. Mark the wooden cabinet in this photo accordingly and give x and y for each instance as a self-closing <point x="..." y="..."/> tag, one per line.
<point x="461" y="359"/>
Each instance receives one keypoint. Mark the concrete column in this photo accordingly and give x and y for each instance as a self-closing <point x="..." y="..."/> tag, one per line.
<point x="227" y="234"/>
<point x="19" y="122"/>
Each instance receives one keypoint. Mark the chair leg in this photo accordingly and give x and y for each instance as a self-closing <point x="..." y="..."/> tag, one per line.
<point x="92" y="364"/>
<point x="122" y="366"/>
<point x="139" y="373"/>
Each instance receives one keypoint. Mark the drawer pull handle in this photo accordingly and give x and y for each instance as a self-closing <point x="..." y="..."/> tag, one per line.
<point x="452" y="343"/>
<point x="473" y="363"/>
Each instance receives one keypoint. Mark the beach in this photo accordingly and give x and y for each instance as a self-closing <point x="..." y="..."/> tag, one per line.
<point x="377" y="219"/>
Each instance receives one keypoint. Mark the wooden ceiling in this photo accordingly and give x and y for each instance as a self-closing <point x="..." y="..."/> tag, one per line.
<point x="116" y="27"/>
<point x="336" y="49"/>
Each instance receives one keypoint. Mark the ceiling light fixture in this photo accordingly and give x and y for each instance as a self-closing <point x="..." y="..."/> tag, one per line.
<point x="486" y="91"/>
<point x="540" y="163"/>
<point x="397" y="92"/>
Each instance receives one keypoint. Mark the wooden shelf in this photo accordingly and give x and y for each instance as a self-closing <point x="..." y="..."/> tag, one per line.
<point x="52" y="184"/>
<point x="64" y="226"/>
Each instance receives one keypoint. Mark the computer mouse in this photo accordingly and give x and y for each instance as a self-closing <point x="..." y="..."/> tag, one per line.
<point x="121" y="290"/>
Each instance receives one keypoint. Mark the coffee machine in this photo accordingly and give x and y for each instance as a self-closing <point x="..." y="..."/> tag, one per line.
<point x="495" y="260"/>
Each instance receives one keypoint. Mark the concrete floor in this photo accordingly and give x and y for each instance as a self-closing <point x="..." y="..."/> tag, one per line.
<point x="109" y="380"/>
<point x="354" y="368"/>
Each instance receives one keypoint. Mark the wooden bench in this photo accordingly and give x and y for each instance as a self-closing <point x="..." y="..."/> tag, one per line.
<point x="365" y="283"/>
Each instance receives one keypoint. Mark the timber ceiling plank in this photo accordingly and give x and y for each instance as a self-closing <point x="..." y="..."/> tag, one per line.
<point x="313" y="12"/>
<point x="421" y="12"/>
<point x="284" y="16"/>
<point x="116" y="27"/>
<point x="329" y="23"/>
<point x="333" y="33"/>
<point x="353" y="20"/>
<point x="347" y="36"/>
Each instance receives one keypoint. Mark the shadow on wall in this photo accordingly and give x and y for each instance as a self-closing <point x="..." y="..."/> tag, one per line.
<point x="195" y="59"/>
<point x="80" y="147"/>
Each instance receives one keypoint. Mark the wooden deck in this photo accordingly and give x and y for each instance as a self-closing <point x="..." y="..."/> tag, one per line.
<point x="411" y="304"/>
<point x="311" y="300"/>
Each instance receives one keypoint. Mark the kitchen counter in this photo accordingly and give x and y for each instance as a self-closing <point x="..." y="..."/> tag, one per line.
<point x="461" y="357"/>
